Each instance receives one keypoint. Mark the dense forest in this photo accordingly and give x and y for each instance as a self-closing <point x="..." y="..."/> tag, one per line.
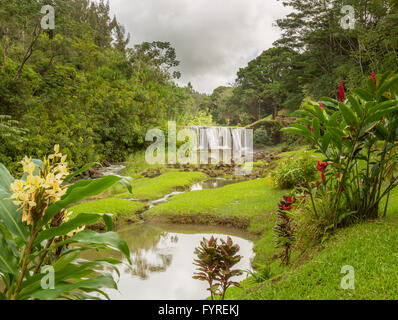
<point x="82" y="86"/>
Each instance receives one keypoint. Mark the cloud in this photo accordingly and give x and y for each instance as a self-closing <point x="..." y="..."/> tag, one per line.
<point x="213" y="38"/>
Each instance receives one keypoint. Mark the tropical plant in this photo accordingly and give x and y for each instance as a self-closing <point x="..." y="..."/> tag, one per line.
<point x="215" y="262"/>
<point x="358" y="138"/>
<point x="285" y="229"/>
<point x="261" y="274"/>
<point x="37" y="233"/>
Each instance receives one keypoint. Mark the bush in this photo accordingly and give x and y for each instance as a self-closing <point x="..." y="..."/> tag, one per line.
<point x="290" y="173"/>
<point x="316" y="218"/>
<point x="291" y="139"/>
<point x="215" y="262"/>
<point x="261" y="137"/>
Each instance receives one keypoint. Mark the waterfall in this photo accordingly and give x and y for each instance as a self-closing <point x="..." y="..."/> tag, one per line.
<point x="224" y="143"/>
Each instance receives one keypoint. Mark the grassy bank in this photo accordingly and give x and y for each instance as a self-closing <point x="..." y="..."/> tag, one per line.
<point x="158" y="187"/>
<point x="123" y="211"/>
<point x="371" y="248"/>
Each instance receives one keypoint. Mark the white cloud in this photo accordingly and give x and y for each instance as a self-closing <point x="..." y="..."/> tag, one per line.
<point x="213" y="38"/>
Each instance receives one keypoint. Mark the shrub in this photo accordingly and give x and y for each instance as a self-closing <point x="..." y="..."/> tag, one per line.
<point x="290" y="139"/>
<point x="215" y="262"/>
<point x="292" y="172"/>
<point x="316" y="218"/>
<point x="261" y="137"/>
<point x="38" y="233"/>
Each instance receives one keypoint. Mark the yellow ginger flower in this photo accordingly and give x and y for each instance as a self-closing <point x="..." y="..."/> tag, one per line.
<point x="28" y="165"/>
<point x="49" y="187"/>
<point x="56" y="154"/>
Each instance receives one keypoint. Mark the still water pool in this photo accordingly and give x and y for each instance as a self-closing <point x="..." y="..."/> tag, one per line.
<point x="162" y="261"/>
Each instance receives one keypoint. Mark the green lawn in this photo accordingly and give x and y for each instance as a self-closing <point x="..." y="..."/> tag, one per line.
<point x="123" y="211"/>
<point x="245" y="200"/>
<point x="158" y="187"/>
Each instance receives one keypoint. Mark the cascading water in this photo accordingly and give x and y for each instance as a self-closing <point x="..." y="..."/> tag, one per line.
<point x="224" y="143"/>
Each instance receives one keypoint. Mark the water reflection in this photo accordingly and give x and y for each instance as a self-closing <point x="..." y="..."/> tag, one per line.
<point x="162" y="263"/>
<point x="214" y="184"/>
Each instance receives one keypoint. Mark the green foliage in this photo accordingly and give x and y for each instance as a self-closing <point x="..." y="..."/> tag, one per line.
<point x="316" y="218"/>
<point x="262" y="273"/>
<point x="292" y="172"/>
<point x="215" y="262"/>
<point x="261" y="137"/>
<point x="45" y="237"/>
<point x="80" y="86"/>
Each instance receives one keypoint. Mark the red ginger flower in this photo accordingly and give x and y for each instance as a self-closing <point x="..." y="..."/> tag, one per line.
<point x="321" y="106"/>
<point x="374" y="78"/>
<point x="341" y="92"/>
<point x="286" y="203"/>
<point x="321" y="168"/>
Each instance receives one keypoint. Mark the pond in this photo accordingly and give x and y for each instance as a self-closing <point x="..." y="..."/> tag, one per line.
<point x="162" y="261"/>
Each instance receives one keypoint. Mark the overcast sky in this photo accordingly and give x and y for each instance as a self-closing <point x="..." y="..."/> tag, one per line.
<point x="212" y="38"/>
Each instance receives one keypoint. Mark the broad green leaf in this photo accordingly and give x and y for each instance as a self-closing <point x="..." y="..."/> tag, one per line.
<point x="333" y="120"/>
<point x="383" y="78"/>
<point x="306" y="131"/>
<point x="66" y="227"/>
<point x="329" y="101"/>
<point x="83" y="169"/>
<point x="363" y="94"/>
<point x="105" y="281"/>
<point x="376" y="116"/>
<point x="382" y="106"/>
<point x="355" y="106"/>
<point x="325" y="142"/>
<point x="89" y="237"/>
<point x="8" y="261"/>
<point x="11" y="217"/>
<point x="79" y="193"/>
<point x="387" y="85"/>
<point x="5" y="178"/>
<point x="64" y="260"/>
<point x="296" y="131"/>
<point x="110" y="239"/>
<point x="305" y="113"/>
<point x="66" y="271"/>
<point x="316" y="127"/>
<point x="348" y="115"/>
